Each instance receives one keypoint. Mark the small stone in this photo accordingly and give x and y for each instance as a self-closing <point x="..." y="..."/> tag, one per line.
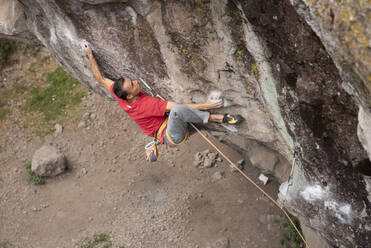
<point x="212" y="155"/>
<point x="216" y="176"/>
<point x="198" y="156"/>
<point x="205" y="152"/>
<point x="81" y="124"/>
<point x="222" y="243"/>
<point x="197" y="163"/>
<point x="263" y="178"/>
<point x="93" y="116"/>
<point x="84" y="171"/>
<point x="239" y="164"/>
<point x="208" y="163"/>
<point x="44" y="205"/>
<point x="58" y="129"/>
<point x="86" y="115"/>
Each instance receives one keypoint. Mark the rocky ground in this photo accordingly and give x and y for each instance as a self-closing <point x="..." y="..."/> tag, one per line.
<point x="110" y="189"/>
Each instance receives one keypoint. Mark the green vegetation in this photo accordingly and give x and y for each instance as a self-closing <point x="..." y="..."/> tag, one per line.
<point x="255" y="70"/>
<point x="32" y="177"/>
<point x="6" y="48"/>
<point x="3" y="110"/>
<point x="32" y="68"/>
<point x="290" y="238"/>
<point x="60" y="93"/>
<point x="98" y="240"/>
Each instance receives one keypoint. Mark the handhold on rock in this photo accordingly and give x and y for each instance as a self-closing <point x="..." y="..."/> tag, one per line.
<point x="48" y="161"/>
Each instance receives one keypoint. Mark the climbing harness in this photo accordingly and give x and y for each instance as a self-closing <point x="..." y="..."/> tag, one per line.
<point x="151" y="147"/>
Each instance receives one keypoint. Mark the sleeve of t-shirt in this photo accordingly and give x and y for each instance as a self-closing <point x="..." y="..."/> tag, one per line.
<point x="155" y="106"/>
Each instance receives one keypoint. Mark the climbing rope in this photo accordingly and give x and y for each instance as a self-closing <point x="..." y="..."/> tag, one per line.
<point x="251" y="181"/>
<point x="296" y="156"/>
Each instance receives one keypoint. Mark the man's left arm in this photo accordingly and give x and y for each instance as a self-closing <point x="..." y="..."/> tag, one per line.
<point x="200" y="106"/>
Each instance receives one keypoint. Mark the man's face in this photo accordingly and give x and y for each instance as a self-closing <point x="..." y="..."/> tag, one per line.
<point x="132" y="87"/>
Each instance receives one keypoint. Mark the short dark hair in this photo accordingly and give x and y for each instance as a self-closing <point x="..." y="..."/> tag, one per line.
<point x="118" y="89"/>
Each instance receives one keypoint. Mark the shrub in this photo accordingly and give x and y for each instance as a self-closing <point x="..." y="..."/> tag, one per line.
<point x="6" y="48"/>
<point x="32" y="177"/>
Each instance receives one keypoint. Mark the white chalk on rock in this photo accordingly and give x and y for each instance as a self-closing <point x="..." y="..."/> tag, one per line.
<point x="263" y="178"/>
<point x="85" y="45"/>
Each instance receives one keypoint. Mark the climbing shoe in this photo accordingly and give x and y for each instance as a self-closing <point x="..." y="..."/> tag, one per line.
<point x="232" y="119"/>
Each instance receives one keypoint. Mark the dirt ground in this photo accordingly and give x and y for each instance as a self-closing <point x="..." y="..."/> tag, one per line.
<point x="110" y="189"/>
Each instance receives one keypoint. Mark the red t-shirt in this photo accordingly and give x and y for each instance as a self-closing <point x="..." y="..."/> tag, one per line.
<point x="147" y="111"/>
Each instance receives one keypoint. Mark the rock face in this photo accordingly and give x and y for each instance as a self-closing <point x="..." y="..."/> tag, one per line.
<point x="291" y="86"/>
<point x="13" y="22"/>
<point x="48" y="161"/>
<point x="345" y="31"/>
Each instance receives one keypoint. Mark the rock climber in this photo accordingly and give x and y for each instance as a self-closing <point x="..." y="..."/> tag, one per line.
<point x="165" y="120"/>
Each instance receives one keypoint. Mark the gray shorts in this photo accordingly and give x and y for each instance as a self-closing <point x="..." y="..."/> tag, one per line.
<point x="179" y="117"/>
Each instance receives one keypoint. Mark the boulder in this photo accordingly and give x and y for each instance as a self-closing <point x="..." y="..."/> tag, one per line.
<point x="13" y="23"/>
<point x="48" y="161"/>
<point x="344" y="29"/>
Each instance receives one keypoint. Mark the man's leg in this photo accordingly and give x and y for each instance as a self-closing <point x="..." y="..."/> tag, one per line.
<point x="180" y="115"/>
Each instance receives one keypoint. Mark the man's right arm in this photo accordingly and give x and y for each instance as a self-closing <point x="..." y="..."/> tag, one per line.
<point x="105" y="82"/>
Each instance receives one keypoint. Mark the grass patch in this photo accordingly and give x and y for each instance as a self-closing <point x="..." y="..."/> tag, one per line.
<point x="32" y="68"/>
<point x="61" y="91"/>
<point x="3" y="110"/>
<point x="99" y="240"/>
<point x="289" y="237"/>
<point x="32" y="177"/>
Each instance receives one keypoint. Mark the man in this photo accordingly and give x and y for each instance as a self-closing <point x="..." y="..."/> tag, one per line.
<point x="150" y="113"/>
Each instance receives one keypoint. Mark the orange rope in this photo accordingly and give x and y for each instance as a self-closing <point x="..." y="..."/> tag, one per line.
<point x="250" y="180"/>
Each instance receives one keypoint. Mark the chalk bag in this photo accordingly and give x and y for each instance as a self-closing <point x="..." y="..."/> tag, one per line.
<point x="151" y="151"/>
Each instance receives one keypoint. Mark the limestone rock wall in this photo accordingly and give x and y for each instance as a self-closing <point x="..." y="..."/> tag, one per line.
<point x="270" y="67"/>
<point x="345" y="30"/>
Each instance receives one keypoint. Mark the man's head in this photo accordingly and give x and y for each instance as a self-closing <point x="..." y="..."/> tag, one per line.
<point x="127" y="89"/>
